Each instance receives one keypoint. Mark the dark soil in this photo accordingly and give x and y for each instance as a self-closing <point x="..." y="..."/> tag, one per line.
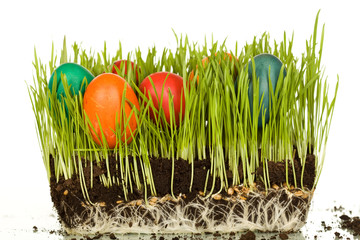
<point x="69" y="192"/>
<point x="351" y="224"/>
<point x="277" y="172"/>
<point x="283" y="236"/>
<point x="248" y="236"/>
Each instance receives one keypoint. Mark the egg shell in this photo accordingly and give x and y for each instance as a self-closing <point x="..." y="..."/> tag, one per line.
<point x="119" y="65"/>
<point x="75" y="74"/>
<point x="173" y="83"/>
<point x="205" y="62"/>
<point x="77" y="78"/>
<point x="103" y="101"/>
<point x="262" y="64"/>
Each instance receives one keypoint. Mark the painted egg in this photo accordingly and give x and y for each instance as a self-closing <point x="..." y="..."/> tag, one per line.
<point x="106" y="109"/>
<point x="75" y="74"/>
<point x="264" y="63"/>
<point x="205" y="62"/>
<point x="170" y="82"/>
<point x="124" y="64"/>
<point x="77" y="78"/>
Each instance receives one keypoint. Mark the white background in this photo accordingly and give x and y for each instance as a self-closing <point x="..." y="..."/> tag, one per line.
<point x="28" y="24"/>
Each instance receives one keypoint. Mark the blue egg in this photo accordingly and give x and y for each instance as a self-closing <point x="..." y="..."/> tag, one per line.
<point x="264" y="63"/>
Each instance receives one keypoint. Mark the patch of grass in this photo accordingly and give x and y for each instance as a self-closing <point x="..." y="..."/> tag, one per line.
<point x="217" y="117"/>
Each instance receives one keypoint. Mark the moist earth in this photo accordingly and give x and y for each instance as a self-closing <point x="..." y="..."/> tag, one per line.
<point x="70" y="192"/>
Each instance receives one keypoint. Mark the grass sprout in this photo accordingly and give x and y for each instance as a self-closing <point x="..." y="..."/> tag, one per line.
<point x="217" y="125"/>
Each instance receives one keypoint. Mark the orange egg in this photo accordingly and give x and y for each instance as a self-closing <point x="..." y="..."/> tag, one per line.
<point x="229" y="55"/>
<point x="103" y="104"/>
<point x="191" y="76"/>
<point x="205" y="62"/>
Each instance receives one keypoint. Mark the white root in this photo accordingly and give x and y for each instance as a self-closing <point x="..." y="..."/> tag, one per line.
<point x="272" y="214"/>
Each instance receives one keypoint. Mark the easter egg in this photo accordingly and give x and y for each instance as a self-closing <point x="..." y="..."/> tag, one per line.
<point x="77" y="78"/>
<point x="106" y="109"/>
<point x="170" y="82"/>
<point x="124" y="64"/>
<point x="263" y="64"/>
<point x="75" y="75"/>
<point x="205" y="62"/>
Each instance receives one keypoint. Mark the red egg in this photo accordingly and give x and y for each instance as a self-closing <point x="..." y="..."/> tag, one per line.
<point x="119" y="65"/>
<point x="103" y="105"/>
<point x="172" y="83"/>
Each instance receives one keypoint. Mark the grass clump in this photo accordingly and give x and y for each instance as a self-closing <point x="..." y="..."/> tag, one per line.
<point x="217" y="125"/>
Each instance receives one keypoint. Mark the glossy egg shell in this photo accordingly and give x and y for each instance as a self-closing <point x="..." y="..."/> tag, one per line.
<point x="205" y="62"/>
<point x="77" y="78"/>
<point x="174" y="83"/>
<point x="119" y="64"/>
<point x="75" y="74"/>
<point x="262" y="64"/>
<point x="103" y="100"/>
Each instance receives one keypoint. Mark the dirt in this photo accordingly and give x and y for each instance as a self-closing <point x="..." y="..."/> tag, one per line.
<point x="69" y="191"/>
<point x="277" y="172"/>
<point x="344" y="226"/>
<point x="351" y="224"/>
<point x="248" y="236"/>
<point x="112" y="236"/>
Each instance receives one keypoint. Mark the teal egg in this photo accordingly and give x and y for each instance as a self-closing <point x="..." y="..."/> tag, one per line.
<point x="264" y="63"/>
<point x="76" y="75"/>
